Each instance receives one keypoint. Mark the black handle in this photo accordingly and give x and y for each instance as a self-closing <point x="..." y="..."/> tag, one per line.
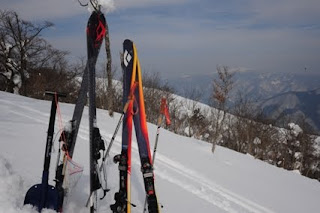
<point x="59" y="94"/>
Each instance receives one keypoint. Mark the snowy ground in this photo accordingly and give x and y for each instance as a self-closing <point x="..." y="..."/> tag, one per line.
<point x="189" y="178"/>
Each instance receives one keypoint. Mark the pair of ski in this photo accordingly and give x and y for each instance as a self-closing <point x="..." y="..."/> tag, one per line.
<point x="44" y="195"/>
<point x="134" y="112"/>
<point x="96" y="30"/>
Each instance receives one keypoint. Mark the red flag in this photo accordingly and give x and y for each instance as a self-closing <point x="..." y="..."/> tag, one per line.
<point x="164" y="109"/>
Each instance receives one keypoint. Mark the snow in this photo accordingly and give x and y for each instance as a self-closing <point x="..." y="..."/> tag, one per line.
<point x="296" y="130"/>
<point x="189" y="178"/>
<point x="256" y="141"/>
<point x="17" y="80"/>
<point x="317" y="146"/>
<point x="275" y="82"/>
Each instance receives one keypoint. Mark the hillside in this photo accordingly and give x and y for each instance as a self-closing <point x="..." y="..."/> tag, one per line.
<point x="189" y="178"/>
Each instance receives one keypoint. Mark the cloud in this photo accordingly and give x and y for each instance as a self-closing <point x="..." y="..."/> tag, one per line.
<point x="107" y="5"/>
<point x="44" y="9"/>
<point x="286" y="12"/>
<point x="57" y="9"/>
<point x="193" y="37"/>
<point x="125" y="4"/>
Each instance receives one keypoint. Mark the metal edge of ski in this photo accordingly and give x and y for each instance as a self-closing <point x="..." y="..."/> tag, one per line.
<point x="44" y="195"/>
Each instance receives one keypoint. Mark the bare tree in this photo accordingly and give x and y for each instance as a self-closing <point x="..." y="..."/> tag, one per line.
<point x="20" y="48"/>
<point x="221" y="88"/>
<point x="243" y="125"/>
<point x="109" y="96"/>
<point x="154" y="89"/>
<point x="175" y="115"/>
<point x="194" y="118"/>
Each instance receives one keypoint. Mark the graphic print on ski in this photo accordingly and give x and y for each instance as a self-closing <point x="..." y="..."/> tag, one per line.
<point x="135" y="113"/>
<point x="95" y="33"/>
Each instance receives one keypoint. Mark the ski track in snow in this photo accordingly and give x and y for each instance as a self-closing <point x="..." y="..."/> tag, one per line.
<point x="203" y="188"/>
<point x="209" y="190"/>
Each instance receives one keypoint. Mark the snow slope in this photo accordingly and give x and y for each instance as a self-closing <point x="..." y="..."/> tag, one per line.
<point x="189" y="178"/>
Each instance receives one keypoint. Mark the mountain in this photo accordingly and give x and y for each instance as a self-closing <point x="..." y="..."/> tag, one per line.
<point x="261" y="86"/>
<point x="255" y="85"/>
<point x="279" y="95"/>
<point x="294" y="106"/>
<point x="189" y="178"/>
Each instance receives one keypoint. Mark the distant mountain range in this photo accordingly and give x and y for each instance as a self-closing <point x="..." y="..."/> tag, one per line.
<point x="295" y="106"/>
<point x="280" y="96"/>
<point x="262" y="86"/>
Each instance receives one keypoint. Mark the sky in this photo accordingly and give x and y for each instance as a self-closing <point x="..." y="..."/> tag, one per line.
<point x="179" y="38"/>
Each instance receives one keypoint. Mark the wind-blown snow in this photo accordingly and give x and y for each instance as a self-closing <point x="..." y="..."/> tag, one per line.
<point x="189" y="178"/>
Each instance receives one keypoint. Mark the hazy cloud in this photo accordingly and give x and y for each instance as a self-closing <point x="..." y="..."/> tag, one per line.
<point x="178" y="37"/>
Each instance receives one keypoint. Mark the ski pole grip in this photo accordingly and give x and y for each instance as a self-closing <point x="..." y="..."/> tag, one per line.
<point x="59" y="94"/>
<point x="160" y="120"/>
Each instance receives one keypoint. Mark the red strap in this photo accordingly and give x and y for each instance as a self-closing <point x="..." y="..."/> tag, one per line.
<point x="132" y="98"/>
<point x="132" y="89"/>
<point x="60" y="122"/>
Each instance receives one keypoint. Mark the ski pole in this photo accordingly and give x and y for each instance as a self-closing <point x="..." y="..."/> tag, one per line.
<point x="109" y="147"/>
<point x="125" y="108"/>
<point x="115" y="133"/>
<point x="163" y="112"/>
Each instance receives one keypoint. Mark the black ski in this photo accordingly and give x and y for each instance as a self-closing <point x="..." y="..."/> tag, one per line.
<point x="95" y="35"/>
<point x="96" y="30"/>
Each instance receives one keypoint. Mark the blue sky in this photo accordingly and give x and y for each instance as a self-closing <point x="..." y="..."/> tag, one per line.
<point x="184" y="37"/>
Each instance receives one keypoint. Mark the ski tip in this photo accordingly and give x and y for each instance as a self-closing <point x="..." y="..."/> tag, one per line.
<point x="127" y="41"/>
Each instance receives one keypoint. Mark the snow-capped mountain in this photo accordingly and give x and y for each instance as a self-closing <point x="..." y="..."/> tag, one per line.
<point x="278" y="95"/>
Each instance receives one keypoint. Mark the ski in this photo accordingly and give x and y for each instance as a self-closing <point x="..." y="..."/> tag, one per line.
<point x="94" y="42"/>
<point x="135" y="113"/>
<point x="95" y="33"/>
